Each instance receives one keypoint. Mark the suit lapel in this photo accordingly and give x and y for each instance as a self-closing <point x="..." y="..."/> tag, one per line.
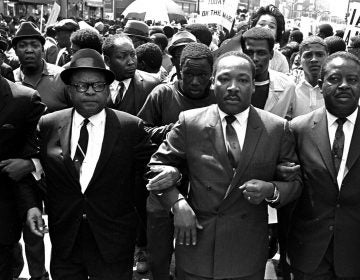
<point x="137" y="89"/>
<point x="111" y="134"/>
<point x="252" y="136"/>
<point x="216" y="136"/>
<point x="320" y="135"/>
<point x="354" y="150"/>
<point x="64" y="131"/>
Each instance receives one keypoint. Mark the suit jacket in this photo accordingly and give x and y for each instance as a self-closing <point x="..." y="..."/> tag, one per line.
<point x="7" y="72"/>
<point x="20" y="110"/>
<point x="108" y="201"/>
<point x="323" y="212"/>
<point x="234" y="241"/>
<point x="140" y="86"/>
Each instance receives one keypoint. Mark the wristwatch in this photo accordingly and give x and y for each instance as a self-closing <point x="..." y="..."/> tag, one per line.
<point x="276" y="196"/>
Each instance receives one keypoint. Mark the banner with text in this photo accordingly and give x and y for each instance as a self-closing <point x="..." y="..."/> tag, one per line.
<point x="222" y="12"/>
<point x="54" y="13"/>
<point x="353" y="22"/>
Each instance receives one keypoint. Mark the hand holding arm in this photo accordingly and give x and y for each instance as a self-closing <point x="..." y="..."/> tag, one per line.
<point x="287" y="171"/>
<point x="17" y="168"/>
<point x="167" y="177"/>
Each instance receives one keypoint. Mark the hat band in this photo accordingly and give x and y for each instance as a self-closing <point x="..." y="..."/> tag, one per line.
<point x="131" y="31"/>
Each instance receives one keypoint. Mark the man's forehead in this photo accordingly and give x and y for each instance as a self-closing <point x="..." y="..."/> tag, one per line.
<point x="314" y="46"/>
<point x="29" y="41"/>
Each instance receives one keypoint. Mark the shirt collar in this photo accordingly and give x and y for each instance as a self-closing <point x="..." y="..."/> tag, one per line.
<point x="95" y="120"/>
<point x="332" y="119"/>
<point x="307" y="84"/>
<point x="115" y="84"/>
<point x="241" y="117"/>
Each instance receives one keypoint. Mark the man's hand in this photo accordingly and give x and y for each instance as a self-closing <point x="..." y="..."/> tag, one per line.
<point x="167" y="177"/>
<point x="185" y="223"/>
<point x="255" y="191"/>
<point x="17" y="168"/>
<point x="287" y="171"/>
<point x="35" y="222"/>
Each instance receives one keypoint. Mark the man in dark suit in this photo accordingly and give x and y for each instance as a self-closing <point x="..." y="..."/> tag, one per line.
<point x="20" y="110"/>
<point x="131" y="87"/>
<point x="230" y="151"/>
<point x="128" y="93"/>
<point x="323" y="240"/>
<point x="90" y="155"/>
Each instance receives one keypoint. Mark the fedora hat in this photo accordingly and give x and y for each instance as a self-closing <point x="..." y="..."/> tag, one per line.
<point x="181" y="38"/>
<point x="27" y="30"/>
<point x="86" y="59"/>
<point x="137" y="29"/>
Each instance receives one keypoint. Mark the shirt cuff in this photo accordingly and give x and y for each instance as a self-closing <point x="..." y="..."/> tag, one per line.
<point x="38" y="169"/>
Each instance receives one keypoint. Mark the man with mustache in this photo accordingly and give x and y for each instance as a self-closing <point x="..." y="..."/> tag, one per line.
<point x="324" y="228"/>
<point x="230" y="151"/>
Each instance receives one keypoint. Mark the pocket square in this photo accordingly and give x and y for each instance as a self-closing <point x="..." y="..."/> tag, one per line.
<point x="7" y="126"/>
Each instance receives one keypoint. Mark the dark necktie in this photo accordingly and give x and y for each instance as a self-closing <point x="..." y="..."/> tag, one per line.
<point x="232" y="142"/>
<point x="120" y="94"/>
<point x="81" y="146"/>
<point x="338" y="145"/>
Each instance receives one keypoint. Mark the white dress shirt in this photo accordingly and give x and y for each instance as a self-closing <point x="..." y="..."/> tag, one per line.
<point x="96" y="130"/>
<point x="348" y="129"/>
<point x="115" y="87"/>
<point x="240" y="125"/>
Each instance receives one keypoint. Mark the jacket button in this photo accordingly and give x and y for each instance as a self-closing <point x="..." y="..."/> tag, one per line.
<point x="84" y="216"/>
<point x="208" y="188"/>
<point x="331" y="228"/>
<point x="337" y="205"/>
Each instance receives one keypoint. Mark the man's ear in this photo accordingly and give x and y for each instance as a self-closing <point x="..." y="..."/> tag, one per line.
<point x="107" y="60"/>
<point x="272" y="54"/>
<point x="320" y="83"/>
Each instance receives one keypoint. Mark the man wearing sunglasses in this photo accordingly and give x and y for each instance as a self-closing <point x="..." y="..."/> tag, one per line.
<point x="90" y="155"/>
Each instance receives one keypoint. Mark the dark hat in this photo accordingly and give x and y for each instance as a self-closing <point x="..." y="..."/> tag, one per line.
<point x="67" y="25"/>
<point x="3" y="44"/>
<point x="86" y="59"/>
<point x="26" y="30"/>
<point x="181" y="38"/>
<point x="137" y="29"/>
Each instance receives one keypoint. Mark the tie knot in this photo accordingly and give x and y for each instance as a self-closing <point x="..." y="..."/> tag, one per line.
<point x="85" y="122"/>
<point x="230" y="119"/>
<point x="341" y="121"/>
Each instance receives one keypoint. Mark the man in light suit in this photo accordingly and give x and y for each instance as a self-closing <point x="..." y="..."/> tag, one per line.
<point x="90" y="155"/>
<point x="221" y="226"/>
<point x="323" y="240"/>
<point x="20" y="110"/>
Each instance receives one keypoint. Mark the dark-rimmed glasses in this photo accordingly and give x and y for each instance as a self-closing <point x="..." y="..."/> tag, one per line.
<point x="83" y="87"/>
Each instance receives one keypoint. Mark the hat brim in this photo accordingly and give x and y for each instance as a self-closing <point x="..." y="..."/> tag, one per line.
<point x="16" y="39"/>
<point x="173" y="47"/>
<point x="148" y="39"/>
<point x="67" y="73"/>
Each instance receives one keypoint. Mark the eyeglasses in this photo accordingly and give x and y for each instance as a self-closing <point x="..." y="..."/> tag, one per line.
<point x="83" y="87"/>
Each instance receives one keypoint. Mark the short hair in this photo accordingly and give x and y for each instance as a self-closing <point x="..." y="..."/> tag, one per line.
<point x="325" y="30"/>
<point x="355" y="41"/>
<point x="151" y="54"/>
<point x="196" y="51"/>
<point x="87" y="38"/>
<point x="297" y="36"/>
<point x="312" y="40"/>
<point x="160" y="40"/>
<point x="109" y="43"/>
<point x="155" y="30"/>
<point x="342" y="54"/>
<point x="201" y="32"/>
<point x="335" y="44"/>
<point x="238" y="54"/>
<point x="258" y="33"/>
<point x="168" y="31"/>
<point x="275" y="12"/>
